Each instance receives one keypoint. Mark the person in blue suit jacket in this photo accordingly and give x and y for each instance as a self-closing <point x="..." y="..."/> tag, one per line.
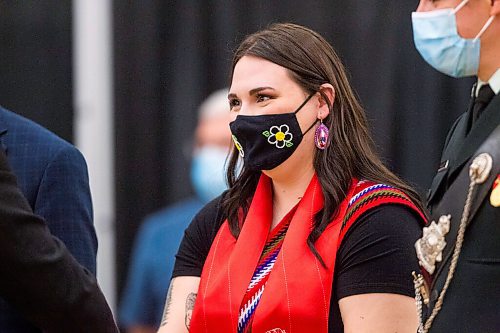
<point x="161" y="233"/>
<point x="52" y="175"/>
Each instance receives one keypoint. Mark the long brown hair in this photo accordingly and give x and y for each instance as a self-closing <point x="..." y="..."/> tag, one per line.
<point x="312" y="61"/>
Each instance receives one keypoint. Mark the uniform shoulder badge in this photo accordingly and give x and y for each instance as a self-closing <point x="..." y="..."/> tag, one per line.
<point x="495" y="193"/>
<point x="430" y="247"/>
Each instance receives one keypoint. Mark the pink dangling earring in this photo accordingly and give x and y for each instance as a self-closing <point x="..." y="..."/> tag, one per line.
<point x="321" y="136"/>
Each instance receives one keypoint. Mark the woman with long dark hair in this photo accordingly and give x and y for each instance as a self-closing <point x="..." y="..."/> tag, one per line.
<point x="315" y="234"/>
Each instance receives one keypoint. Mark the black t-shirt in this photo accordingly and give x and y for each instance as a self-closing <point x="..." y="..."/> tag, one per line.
<point x="376" y="255"/>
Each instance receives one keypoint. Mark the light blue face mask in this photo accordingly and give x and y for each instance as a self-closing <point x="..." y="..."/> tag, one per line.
<point x="208" y="172"/>
<point x="436" y="38"/>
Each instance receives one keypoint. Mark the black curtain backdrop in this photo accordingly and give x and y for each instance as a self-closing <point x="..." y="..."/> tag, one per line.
<point x="36" y="62"/>
<point x="169" y="55"/>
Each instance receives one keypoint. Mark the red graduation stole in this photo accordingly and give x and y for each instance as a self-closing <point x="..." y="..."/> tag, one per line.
<point x="298" y="292"/>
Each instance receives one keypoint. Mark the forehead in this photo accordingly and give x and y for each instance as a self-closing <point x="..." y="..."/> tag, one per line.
<point x="251" y="72"/>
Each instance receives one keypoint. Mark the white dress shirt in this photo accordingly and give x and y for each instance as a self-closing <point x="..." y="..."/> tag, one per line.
<point x="494" y="83"/>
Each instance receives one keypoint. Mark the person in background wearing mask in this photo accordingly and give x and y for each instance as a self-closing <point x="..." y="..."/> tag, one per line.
<point x="161" y="233"/>
<point x="460" y="252"/>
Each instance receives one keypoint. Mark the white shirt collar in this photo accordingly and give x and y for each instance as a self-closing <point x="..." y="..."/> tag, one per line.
<point x="494" y="83"/>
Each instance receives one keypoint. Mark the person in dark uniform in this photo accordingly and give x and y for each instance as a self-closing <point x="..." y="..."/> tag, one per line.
<point x="459" y="252"/>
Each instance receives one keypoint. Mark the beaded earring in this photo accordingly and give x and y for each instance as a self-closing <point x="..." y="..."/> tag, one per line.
<point x="321" y="136"/>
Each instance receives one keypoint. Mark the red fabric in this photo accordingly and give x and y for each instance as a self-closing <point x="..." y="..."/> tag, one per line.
<point x="394" y="196"/>
<point x="297" y="282"/>
<point x="271" y="250"/>
<point x="298" y="292"/>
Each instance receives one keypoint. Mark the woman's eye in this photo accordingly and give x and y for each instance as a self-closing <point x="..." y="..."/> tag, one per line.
<point x="262" y="98"/>
<point x="233" y="103"/>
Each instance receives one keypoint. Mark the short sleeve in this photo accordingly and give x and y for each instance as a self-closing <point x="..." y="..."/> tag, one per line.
<point x="198" y="239"/>
<point x="377" y="255"/>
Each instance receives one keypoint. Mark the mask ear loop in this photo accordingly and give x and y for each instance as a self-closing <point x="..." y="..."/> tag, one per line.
<point x="310" y="127"/>
<point x="486" y="26"/>
<point x="460" y="6"/>
<point x="300" y="107"/>
<point x="304" y="103"/>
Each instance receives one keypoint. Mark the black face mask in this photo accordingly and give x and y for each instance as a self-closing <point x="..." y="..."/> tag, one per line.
<point x="266" y="141"/>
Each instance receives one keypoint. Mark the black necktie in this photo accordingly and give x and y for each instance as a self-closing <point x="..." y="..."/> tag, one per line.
<point x="482" y="100"/>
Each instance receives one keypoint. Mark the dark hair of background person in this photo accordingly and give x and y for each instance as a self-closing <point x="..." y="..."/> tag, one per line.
<point x="311" y="61"/>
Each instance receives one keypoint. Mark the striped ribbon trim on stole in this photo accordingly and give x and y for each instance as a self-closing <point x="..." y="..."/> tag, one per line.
<point x="261" y="274"/>
<point x="370" y="195"/>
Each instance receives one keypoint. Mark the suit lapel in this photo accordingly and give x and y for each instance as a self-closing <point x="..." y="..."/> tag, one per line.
<point x="479" y="132"/>
<point x="454" y="143"/>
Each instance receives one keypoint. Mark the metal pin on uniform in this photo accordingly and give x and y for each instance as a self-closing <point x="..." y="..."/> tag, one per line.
<point x="429" y="247"/>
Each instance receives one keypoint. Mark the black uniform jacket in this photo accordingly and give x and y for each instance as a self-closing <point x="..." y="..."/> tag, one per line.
<point x="37" y="273"/>
<point x="472" y="302"/>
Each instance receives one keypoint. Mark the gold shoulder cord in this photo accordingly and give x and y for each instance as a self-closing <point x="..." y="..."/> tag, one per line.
<point x="478" y="173"/>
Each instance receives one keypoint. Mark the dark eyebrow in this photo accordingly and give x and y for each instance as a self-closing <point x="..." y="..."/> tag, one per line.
<point x="259" y="89"/>
<point x="251" y="92"/>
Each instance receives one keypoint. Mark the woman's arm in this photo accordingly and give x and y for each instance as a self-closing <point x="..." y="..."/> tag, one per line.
<point x="374" y="286"/>
<point x="379" y="313"/>
<point x="179" y="304"/>
<point x="189" y="262"/>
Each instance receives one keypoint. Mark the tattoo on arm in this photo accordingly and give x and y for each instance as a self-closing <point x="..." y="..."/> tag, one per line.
<point x="167" y="306"/>
<point x="190" y="300"/>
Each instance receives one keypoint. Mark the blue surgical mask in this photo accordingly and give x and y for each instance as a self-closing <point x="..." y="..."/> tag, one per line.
<point x="436" y="38"/>
<point x="208" y="172"/>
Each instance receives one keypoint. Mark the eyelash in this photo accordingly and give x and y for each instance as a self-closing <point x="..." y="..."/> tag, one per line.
<point x="259" y="99"/>
<point x="234" y="103"/>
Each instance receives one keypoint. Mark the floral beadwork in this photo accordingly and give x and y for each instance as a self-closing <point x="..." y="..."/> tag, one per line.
<point x="279" y="136"/>
<point x="238" y="146"/>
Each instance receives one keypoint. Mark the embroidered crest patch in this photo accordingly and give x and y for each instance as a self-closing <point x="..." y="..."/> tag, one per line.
<point x="495" y="193"/>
